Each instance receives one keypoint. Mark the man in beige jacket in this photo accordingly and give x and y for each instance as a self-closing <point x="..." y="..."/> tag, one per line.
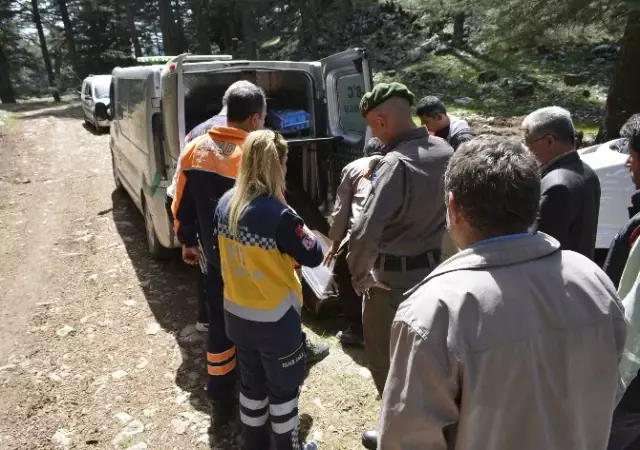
<point x="511" y="344"/>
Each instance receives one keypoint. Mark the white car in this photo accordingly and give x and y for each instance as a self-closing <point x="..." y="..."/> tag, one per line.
<point x="95" y="90"/>
<point x="608" y="161"/>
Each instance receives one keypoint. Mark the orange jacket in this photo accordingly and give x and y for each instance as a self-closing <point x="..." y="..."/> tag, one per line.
<point x="208" y="168"/>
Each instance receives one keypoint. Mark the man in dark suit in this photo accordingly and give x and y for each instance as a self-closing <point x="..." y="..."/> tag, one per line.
<point x="570" y="201"/>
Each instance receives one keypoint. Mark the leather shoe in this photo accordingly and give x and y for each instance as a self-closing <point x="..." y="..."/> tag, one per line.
<point x="315" y="352"/>
<point x="370" y="439"/>
<point x="348" y="337"/>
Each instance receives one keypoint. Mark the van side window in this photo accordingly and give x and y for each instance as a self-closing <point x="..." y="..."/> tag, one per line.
<point x="87" y="89"/>
<point x="131" y="109"/>
<point x="121" y="97"/>
<point x="350" y="91"/>
<point x="137" y="112"/>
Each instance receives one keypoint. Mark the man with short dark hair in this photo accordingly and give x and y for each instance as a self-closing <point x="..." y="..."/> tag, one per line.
<point x="433" y="115"/>
<point x="570" y="200"/>
<point x="624" y="240"/>
<point x="512" y="343"/>
<point x="208" y="168"/>
<point x="354" y="188"/>
<point x="220" y="119"/>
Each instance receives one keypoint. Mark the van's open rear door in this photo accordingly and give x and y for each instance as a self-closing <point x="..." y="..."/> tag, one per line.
<point x="347" y="78"/>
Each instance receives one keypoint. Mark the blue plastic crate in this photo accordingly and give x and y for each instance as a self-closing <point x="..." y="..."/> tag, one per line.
<point x="288" y="121"/>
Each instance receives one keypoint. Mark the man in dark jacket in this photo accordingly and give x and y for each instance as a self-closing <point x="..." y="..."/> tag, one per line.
<point x="624" y="240"/>
<point x="570" y="201"/>
<point x="433" y="115"/>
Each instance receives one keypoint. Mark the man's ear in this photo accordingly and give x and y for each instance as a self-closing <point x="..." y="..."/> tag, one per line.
<point x="254" y="119"/>
<point x="452" y="207"/>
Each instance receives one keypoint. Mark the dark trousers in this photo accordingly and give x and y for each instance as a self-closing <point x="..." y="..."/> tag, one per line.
<point x="625" y="430"/>
<point x="380" y="307"/>
<point x="221" y="353"/>
<point x="272" y="367"/>
<point x="203" y="309"/>
<point x="350" y="301"/>
<point x="625" y="427"/>
<point x="202" y="303"/>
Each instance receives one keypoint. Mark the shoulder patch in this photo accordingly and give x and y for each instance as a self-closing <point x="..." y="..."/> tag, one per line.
<point x="307" y="238"/>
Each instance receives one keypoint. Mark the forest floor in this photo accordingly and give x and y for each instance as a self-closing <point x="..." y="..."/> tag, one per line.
<point x="97" y="344"/>
<point x="515" y="83"/>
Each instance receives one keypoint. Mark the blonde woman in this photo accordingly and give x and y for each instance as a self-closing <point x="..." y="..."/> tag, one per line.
<point x="261" y="240"/>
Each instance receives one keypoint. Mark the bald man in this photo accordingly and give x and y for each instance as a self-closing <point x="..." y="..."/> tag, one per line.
<point x="397" y="240"/>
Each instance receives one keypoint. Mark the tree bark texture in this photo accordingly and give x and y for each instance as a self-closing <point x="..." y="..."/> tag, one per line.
<point x="7" y="94"/>
<point x="68" y="31"/>
<point x="43" y="47"/>
<point x="624" y="96"/>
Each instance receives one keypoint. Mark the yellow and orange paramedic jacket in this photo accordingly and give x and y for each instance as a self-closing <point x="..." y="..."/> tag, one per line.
<point x="208" y="168"/>
<point x="258" y="264"/>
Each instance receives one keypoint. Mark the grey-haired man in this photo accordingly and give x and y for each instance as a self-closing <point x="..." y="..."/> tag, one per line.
<point x="570" y="200"/>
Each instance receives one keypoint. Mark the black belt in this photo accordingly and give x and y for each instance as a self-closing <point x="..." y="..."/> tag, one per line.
<point x="393" y="263"/>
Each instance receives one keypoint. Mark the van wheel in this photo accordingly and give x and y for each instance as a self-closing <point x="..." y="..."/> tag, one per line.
<point x="156" y="250"/>
<point x="116" y="177"/>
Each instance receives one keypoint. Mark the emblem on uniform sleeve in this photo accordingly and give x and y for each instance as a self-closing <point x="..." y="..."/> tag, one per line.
<point x="306" y="237"/>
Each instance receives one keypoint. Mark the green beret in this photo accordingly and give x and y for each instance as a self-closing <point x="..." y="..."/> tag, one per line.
<point x="383" y="92"/>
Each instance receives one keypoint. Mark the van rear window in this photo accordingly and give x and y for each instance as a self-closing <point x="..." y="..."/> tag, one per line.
<point x="350" y="92"/>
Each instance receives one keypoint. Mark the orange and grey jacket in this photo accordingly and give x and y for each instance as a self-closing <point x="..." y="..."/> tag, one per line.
<point x="208" y="168"/>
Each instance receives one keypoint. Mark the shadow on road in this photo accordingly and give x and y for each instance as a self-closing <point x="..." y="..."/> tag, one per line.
<point x="170" y="290"/>
<point x="91" y="129"/>
<point x="37" y="110"/>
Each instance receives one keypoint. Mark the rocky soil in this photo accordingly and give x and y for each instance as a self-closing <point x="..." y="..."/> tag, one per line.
<point x="97" y="344"/>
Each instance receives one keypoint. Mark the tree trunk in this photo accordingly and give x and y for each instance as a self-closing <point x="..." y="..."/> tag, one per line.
<point x="123" y="32"/>
<point x="203" y="45"/>
<point x="167" y="25"/>
<point x="43" y="48"/>
<point x="131" y="23"/>
<point x="68" y="31"/>
<point x="248" y="31"/>
<point x="182" y="41"/>
<point x="7" y="94"/>
<point x="458" y="29"/>
<point x="624" y="96"/>
<point x="309" y="26"/>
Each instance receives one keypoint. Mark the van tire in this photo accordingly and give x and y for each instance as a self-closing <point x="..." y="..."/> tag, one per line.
<point x="156" y="250"/>
<point x="116" y="178"/>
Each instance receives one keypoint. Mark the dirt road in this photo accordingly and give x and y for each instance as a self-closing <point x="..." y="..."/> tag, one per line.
<point x="97" y="345"/>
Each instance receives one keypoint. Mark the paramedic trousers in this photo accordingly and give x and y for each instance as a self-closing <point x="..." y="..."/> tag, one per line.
<point x="271" y="356"/>
<point x="202" y="304"/>
<point x="350" y="301"/>
<point x="221" y="353"/>
<point x="380" y="306"/>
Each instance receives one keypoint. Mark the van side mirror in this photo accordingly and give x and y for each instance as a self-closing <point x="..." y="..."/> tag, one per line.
<point x="87" y="97"/>
<point x="101" y="111"/>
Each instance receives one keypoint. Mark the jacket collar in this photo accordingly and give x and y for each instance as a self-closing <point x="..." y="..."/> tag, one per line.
<point x="416" y="133"/>
<point x="635" y="204"/>
<point x="230" y="133"/>
<point x="496" y="253"/>
<point x="560" y="161"/>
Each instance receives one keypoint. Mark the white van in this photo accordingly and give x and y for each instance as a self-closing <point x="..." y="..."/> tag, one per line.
<point x="95" y="91"/>
<point x="154" y="106"/>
